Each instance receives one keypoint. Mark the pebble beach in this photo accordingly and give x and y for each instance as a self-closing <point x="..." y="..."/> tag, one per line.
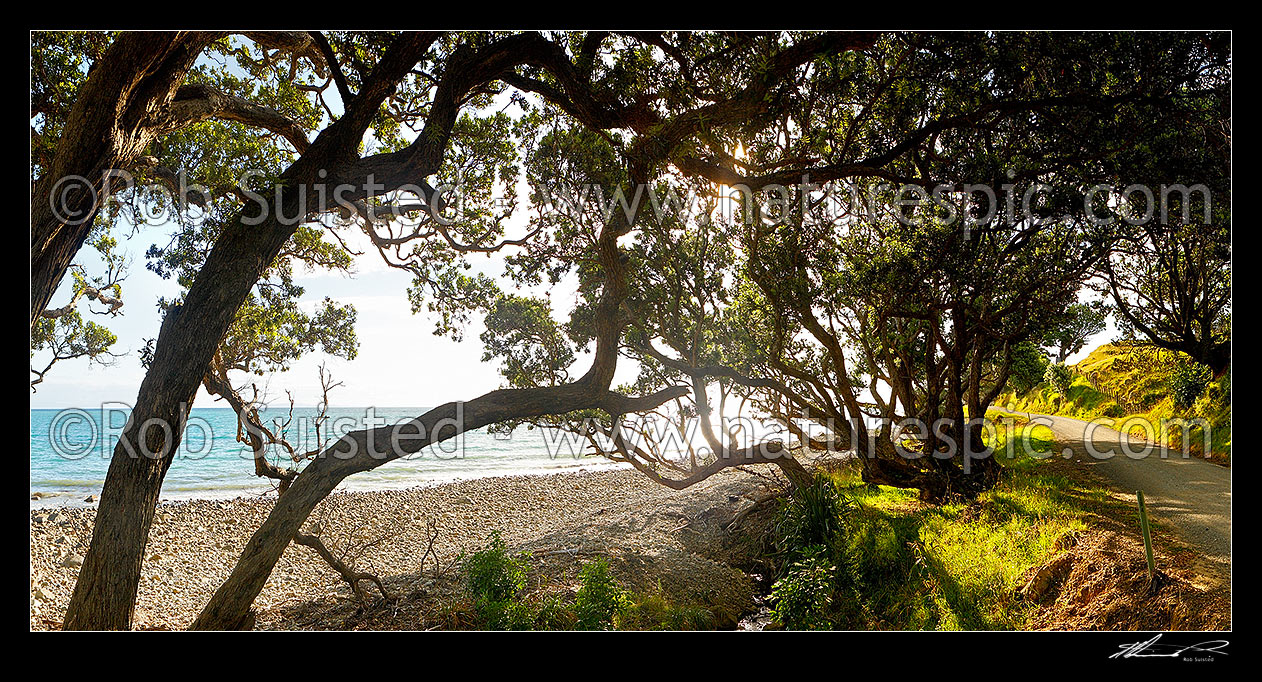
<point x="620" y="514"/>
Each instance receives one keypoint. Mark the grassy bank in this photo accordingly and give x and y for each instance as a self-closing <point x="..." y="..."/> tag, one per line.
<point x="961" y="566"/>
<point x="899" y="563"/>
<point x="1133" y="387"/>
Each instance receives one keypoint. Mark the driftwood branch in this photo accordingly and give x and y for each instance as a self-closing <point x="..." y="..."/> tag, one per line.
<point x="349" y="574"/>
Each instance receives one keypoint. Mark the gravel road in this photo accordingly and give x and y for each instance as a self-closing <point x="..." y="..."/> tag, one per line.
<point x="1191" y="495"/>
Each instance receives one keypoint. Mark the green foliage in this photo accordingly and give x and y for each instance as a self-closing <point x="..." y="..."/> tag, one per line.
<point x="70" y="336"/>
<point x="493" y="574"/>
<point x="811" y="540"/>
<point x="521" y="332"/>
<point x="600" y="599"/>
<point x="1029" y="364"/>
<point x="813" y="516"/>
<point x="1188" y="382"/>
<point x="1073" y="327"/>
<point x="803" y="596"/>
<point x="656" y="611"/>
<point x="1059" y="377"/>
<point x="493" y="581"/>
<point x="271" y="330"/>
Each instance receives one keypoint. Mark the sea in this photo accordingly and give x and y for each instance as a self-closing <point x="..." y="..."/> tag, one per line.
<point x="71" y="451"/>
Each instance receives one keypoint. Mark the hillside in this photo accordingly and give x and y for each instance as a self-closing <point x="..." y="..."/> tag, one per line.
<point x="1133" y="387"/>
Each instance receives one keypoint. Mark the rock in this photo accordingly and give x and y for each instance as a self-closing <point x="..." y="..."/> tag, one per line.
<point x="72" y="561"/>
<point x="90" y="498"/>
<point x="37" y="496"/>
<point x="1064" y="542"/>
<point x="1047" y="575"/>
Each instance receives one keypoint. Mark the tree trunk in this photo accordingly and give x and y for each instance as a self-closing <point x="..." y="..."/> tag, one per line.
<point x="105" y="592"/>
<point x="936" y="477"/>
<point x="107" y="128"/>
<point x="1219" y="359"/>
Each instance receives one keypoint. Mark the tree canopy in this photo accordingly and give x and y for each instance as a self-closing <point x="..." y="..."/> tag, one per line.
<point x="839" y="231"/>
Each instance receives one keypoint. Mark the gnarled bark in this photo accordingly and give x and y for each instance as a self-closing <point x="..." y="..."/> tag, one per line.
<point x="108" y="127"/>
<point x="105" y="592"/>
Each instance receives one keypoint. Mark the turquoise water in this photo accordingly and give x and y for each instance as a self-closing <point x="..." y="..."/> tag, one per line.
<point x="71" y="449"/>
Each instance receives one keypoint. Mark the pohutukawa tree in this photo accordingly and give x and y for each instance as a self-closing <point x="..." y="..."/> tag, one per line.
<point x="1168" y="278"/>
<point x="795" y="316"/>
<point x="584" y="87"/>
<point x="912" y="327"/>
<point x="100" y="101"/>
<point x="1081" y="321"/>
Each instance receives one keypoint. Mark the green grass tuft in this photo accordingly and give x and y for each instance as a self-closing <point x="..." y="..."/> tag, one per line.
<point x="957" y="566"/>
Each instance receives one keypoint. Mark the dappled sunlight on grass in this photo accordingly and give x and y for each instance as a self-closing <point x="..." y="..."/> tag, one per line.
<point x="959" y="565"/>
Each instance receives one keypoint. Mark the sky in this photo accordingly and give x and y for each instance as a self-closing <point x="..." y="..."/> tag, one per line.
<point x="400" y="362"/>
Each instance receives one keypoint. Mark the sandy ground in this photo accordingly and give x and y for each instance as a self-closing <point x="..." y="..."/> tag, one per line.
<point x="651" y="533"/>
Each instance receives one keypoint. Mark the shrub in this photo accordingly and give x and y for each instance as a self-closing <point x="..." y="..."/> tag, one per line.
<point x="1059" y="377"/>
<point x="600" y="599"/>
<point x="810" y="538"/>
<point x="1188" y="382"/>
<point x="812" y="516"/>
<point x="493" y="580"/>
<point x="803" y="597"/>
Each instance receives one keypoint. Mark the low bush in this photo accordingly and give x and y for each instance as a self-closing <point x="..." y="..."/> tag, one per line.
<point x="1188" y="382"/>
<point x="493" y="580"/>
<point x="600" y="599"/>
<point x="803" y="597"/>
